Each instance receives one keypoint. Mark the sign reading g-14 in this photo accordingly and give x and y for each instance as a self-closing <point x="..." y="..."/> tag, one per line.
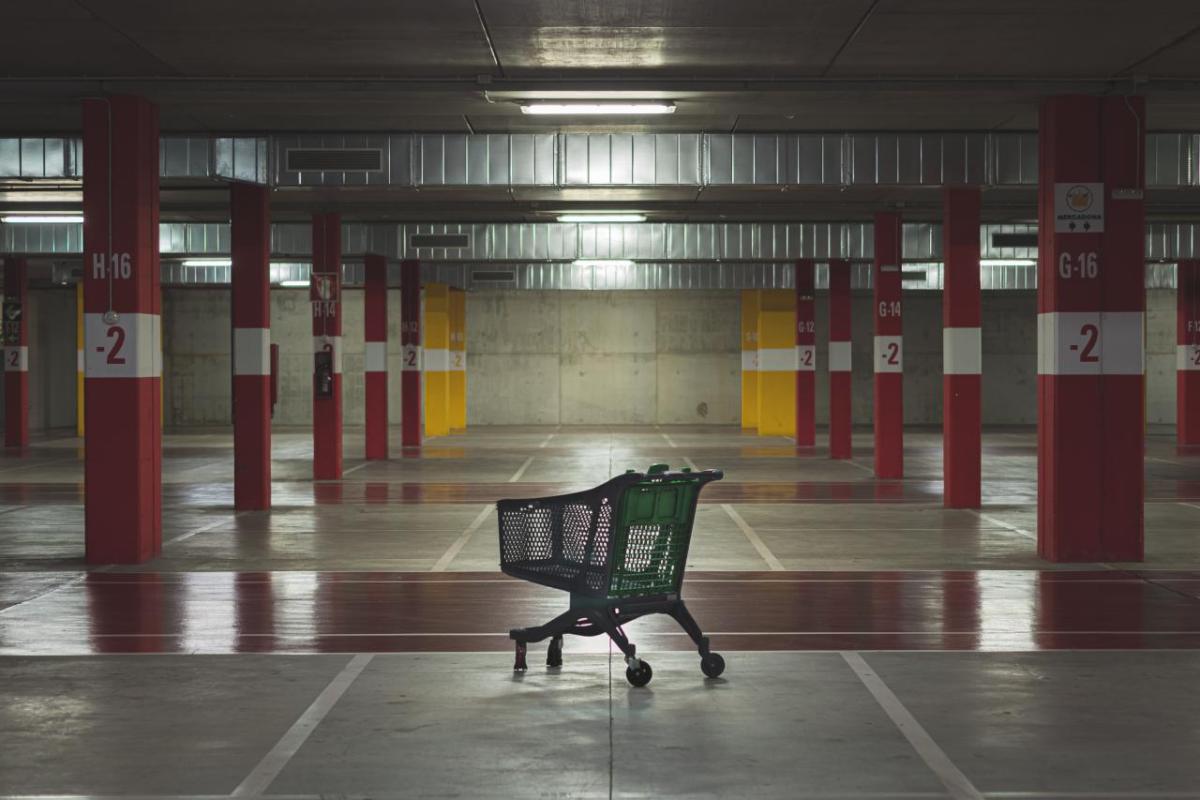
<point x="1079" y="208"/>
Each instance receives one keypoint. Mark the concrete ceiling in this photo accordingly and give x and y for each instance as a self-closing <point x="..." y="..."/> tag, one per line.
<point x="252" y="66"/>
<point x="267" y="65"/>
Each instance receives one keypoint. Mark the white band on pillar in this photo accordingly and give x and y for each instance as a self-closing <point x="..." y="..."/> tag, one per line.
<point x="1091" y="343"/>
<point x="79" y="365"/>
<point x="437" y="359"/>
<point x="16" y="358"/>
<point x="889" y="354"/>
<point x="777" y="359"/>
<point x="806" y="358"/>
<point x="1187" y="357"/>
<point x="376" y="360"/>
<point x="129" y="348"/>
<point x="962" y="351"/>
<point x="251" y="351"/>
<point x="749" y="361"/>
<point x="839" y="356"/>
<point x="334" y="343"/>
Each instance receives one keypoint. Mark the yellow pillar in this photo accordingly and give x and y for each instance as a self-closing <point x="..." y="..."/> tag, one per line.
<point x="79" y="359"/>
<point x="750" y="302"/>
<point x="458" y="360"/>
<point x="777" y="363"/>
<point x="437" y="359"/>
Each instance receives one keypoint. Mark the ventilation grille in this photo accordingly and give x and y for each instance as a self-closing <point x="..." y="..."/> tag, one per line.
<point x="450" y="241"/>
<point x="334" y="160"/>
<point x="1015" y="239"/>
<point x="493" y="276"/>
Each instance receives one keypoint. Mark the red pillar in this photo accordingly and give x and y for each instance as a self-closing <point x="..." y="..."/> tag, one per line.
<point x="376" y="386"/>
<point x="16" y="353"/>
<point x="840" y="414"/>
<point x="250" y="241"/>
<point x="410" y="341"/>
<point x="122" y="309"/>
<point x="325" y="292"/>
<point x="962" y="352"/>
<point x="1091" y="309"/>
<point x="1187" y="365"/>
<point x="806" y="355"/>
<point x="889" y="349"/>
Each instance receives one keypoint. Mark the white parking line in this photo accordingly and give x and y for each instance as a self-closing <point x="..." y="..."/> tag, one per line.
<point x="1189" y="505"/>
<point x="202" y="529"/>
<point x="263" y="775"/>
<point x="517" y="475"/>
<point x="758" y="543"/>
<point x="691" y="465"/>
<point x="356" y="468"/>
<point x="956" y="783"/>
<point x="462" y="540"/>
<point x="669" y="440"/>
<point x="856" y="465"/>
<point x="1002" y="524"/>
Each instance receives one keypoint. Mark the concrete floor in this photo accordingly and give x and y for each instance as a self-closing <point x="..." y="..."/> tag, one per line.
<point x="351" y="642"/>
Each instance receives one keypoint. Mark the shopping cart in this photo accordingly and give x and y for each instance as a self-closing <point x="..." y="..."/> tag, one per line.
<point x="619" y="549"/>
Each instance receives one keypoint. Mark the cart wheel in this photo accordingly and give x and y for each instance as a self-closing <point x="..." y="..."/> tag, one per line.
<point x="712" y="665"/>
<point x="554" y="652"/>
<point x="519" y="665"/>
<point x="640" y="676"/>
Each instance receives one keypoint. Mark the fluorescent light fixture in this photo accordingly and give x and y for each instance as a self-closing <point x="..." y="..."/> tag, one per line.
<point x="294" y="284"/>
<point x="208" y="262"/>
<point x="601" y="217"/>
<point x="1007" y="262"/>
<point x="41" y="219"/>
<point x="603" y="262"/>
<point x="595" y="109"/>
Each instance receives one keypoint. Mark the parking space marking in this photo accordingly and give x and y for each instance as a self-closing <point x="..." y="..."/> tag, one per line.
<point x="462" y="540"/>
<point x="758" y="543"/>
<point x="956" y="783"/>
<point x="517" y="475"/>
<point x="273" y="763"/>
<point x="1002" y="524"/>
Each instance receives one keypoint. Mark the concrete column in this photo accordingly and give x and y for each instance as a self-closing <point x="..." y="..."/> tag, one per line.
<point x="250" y="247"/>
<point x="889" y="349"/>
<point x="122" y="308"/>
<point x="962" y="353"/>
<point x="375" y="336"/>
<point x="1091" y="310"/>
<point x="1187" y="365"/>
<point x="806" y="354"/>
<point x="79" y="379"/>
<point x="777" y="363"/>
<point x="325" y="293"/>
<point x="16" y="353"/>
<point x="437" y="359"/>
<point x="840" y="379"/>
<point x="751" y="300"/>
<point x="410" y="341"/>
<point x="458" y="360"/>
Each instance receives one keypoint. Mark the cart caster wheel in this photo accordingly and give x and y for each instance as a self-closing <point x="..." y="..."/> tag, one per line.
<point x="519" y="665"/>
<point x="640" y="676"/>
<point x="554" y="652"/>
<point x="712" y="665"/>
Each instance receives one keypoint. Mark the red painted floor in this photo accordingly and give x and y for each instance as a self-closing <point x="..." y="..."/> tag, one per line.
<point x="298" y="612"/>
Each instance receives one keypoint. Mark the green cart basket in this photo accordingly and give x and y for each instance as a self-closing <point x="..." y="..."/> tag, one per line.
<point x="619" y="549"/>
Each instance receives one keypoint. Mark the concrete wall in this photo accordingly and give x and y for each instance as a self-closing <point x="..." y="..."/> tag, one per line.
<point x="602" y="357"/>
<point x="577" y="357"/>
<point x="196" y="362"/>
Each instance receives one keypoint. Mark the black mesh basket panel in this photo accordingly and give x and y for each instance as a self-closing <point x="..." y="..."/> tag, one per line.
<point x="564" y="542"/>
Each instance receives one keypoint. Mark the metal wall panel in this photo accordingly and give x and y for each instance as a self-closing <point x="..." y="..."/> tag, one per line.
<point x="616" y="159"/>
<point x="41" y="157"/>
<point x="1172" y="159"/>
